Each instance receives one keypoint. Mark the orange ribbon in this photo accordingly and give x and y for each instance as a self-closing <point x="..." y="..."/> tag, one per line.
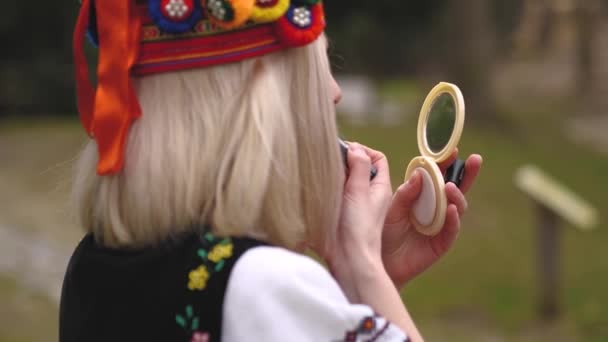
<point x="84" y="90"/>
<point x="108" y="111"/>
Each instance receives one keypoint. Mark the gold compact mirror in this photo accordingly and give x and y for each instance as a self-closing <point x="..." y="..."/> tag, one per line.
<point x="439" y="129"/>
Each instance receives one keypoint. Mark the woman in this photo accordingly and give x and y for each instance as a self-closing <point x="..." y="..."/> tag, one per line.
<point x="216" y="169"/>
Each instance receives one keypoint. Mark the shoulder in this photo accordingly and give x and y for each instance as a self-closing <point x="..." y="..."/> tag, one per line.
<point x="278" y="269"/>
<point x="275" y="295"/>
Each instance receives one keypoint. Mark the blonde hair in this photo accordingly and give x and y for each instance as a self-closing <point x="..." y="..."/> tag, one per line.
<point x="248" y="149"/>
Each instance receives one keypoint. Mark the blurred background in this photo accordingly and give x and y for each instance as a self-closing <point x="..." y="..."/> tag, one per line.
<point x="533" y="73"/>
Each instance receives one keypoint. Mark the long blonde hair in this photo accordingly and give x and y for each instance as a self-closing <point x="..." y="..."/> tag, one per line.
<point x="248" y="149"/>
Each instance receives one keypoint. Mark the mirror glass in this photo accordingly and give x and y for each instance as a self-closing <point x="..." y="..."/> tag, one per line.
<point x="440" y="122"/>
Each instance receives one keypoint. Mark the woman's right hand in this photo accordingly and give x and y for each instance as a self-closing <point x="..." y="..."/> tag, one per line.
<point x="356" y="253"/>
<point x="355" y="258"/>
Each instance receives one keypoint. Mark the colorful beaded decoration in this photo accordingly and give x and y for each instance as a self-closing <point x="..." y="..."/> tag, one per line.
<point x="266" y="11"/>
<point x="301" y="25"/>
<point x="143" y="37"/>
<point x="229" y="14"/>
<point x="297" y="22"/>
<point x="175" y="16"/>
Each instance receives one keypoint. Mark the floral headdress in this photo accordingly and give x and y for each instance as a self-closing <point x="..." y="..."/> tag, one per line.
<point x="142" y="37"/>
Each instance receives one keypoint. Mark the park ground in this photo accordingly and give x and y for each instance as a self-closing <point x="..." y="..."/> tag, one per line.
<point x="485" y="289"/>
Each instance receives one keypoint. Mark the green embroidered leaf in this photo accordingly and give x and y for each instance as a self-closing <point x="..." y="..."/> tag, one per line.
<point x="202" y="253"/>
<point x="189" y="312"/>
<point x="209" y="237"/>
<point x="219" y="266"/>
<point x="225" y="241"/>
<point x="194" y="324"/>
<point x="181" y="321"/>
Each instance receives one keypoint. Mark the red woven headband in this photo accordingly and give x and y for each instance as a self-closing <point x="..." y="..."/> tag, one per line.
<point x="144" y="37"/>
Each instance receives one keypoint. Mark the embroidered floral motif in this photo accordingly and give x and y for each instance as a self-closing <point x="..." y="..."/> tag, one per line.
<point x="219" y="252"/>
<point x="213" y="255"/>
<point x="368" y="324"/>
<point x="190" y="323"/>
<point x="200" y="337"/>
<point x="367" y="330"/>
<point x="198" y="278"/>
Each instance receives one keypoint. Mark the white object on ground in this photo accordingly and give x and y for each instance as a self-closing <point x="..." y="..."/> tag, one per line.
<point x="553" y="195"/>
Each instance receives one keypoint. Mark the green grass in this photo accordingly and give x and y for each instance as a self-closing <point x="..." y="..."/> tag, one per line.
<point x="484" y="289"/>
<point x="401" y="91"/>
<point x="25" y="316"/>
<point x="36" y="157"/>
<point x="490" y="277"/>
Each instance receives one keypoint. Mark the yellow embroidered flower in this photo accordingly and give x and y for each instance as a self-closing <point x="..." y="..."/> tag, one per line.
<point x="198" y="278"/>
<point x="220" y="252"/>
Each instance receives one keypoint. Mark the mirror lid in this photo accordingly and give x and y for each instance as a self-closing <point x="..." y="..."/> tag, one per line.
<point x="423" y="146"/>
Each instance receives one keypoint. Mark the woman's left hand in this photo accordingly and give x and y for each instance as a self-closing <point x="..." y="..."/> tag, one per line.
<point x="405" y="252"/>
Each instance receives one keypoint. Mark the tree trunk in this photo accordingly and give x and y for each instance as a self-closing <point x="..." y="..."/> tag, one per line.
<point x="468" y="55"/>
<point x="528" y="38"/>
<point x="591" y="65"/>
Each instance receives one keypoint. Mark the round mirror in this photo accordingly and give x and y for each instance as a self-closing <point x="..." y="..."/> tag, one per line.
<point x="439" y="129"/>
<point x="440" y="122"/>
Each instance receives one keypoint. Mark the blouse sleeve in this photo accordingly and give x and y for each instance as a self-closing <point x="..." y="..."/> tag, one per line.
<point x="276" y="295"/>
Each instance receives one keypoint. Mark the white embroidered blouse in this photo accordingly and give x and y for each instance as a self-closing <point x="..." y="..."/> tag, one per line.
<point x="277" y="295"/>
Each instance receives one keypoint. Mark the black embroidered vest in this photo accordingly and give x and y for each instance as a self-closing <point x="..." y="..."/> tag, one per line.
<point x="171" y="293"/>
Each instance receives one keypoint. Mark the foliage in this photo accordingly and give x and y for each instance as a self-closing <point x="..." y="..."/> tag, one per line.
<point x="380" y="37"/>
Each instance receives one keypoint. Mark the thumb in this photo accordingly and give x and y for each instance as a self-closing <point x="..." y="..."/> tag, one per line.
<point x="404" y="198"/>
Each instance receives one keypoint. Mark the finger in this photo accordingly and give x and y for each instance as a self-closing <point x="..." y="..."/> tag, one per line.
<point x="359" y="164"/>
<point x="455" y="196"/>
<point x="471" y="170"/>
<point x="450" y="231"/>
<point x="444" y="165"/>
<point x="373" y="154"/>
<point x="404" y="198"/>
<point x="380" y="161"/>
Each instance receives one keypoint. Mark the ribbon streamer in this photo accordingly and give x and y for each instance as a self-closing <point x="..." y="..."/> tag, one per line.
<point x="108" y="111"/>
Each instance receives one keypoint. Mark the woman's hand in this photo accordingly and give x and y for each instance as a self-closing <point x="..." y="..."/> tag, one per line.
<point x="405" y="252"/>
<point x="355" y="256"/>
<point x="355" y="252"/>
